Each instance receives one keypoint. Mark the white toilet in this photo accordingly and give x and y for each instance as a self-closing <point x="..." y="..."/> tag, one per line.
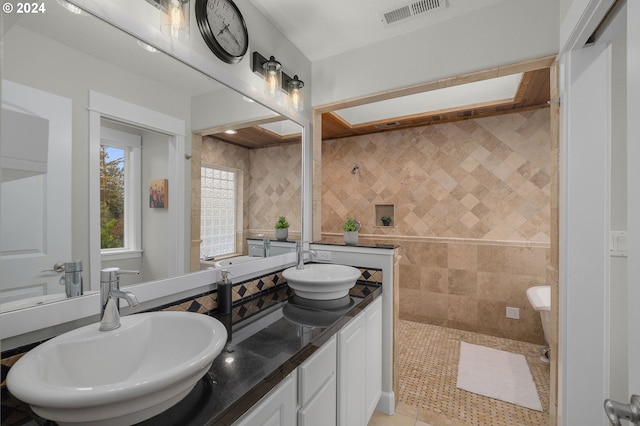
<point x="540" y="300"/>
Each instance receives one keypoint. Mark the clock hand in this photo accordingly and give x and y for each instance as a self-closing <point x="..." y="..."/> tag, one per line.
<point x="231" y="34"/>
<point x="226" y="27"/>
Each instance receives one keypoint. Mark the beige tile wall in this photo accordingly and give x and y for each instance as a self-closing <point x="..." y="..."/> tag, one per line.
<point x="468" y="286"/>
<point x="271" y="182"/>
<point x="275" y="189"/>
<point x="472" y="215"/>
<point x="218" y="153"/>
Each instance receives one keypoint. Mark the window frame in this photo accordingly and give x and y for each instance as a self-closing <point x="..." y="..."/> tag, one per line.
<point x="132" y="144"/>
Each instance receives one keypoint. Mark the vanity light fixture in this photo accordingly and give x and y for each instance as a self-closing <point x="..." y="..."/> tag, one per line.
<point x="276" y="81"/>
<point x="176" y="19"/>
<point x="296" y="96"/>
<point x="272" y="75"/>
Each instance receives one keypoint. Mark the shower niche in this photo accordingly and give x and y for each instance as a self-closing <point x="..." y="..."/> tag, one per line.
<point x="385" y="215"/>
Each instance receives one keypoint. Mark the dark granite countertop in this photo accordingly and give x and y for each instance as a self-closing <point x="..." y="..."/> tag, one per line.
<point x="265" y="346"/>
<point x="334" y="243"/>
<point x="263" y="350"/>
<point x="374" y="246"/>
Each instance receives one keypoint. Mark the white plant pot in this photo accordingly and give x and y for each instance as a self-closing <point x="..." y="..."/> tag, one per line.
<point x="282" y="234"/>
<point x="351" y="238"/>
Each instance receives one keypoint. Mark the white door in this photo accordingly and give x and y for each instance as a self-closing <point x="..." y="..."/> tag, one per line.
<point x="36" y="211"/>
<point x="599" y="341"/>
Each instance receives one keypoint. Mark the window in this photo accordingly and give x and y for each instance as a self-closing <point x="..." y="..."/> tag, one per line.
<point x="120" y="191"/>
<point x="112" y="166"/>
<point x="218" y="212"/>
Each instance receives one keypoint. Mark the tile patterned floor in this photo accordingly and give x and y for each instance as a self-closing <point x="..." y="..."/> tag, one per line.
<point x="428" y="367"/>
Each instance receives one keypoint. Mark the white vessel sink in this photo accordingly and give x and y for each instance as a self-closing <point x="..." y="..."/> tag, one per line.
<point x="123" y="376"/>
<point x="321" y="281"/>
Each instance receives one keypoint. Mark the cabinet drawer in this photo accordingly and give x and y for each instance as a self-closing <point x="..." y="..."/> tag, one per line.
<point x="316" y="370"/>
<point x="277" y="408"/>
<point x="320" y="409"/>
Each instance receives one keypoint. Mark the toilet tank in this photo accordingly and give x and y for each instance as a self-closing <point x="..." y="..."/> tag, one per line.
<point x="540" y="297"/>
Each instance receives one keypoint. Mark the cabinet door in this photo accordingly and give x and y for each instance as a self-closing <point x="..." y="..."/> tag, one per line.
<point x="351" y="373"/>
<point x="316" y="371"/>
<point x="277" y="408"/>
<point x="321" y="409"/>
<point x="374" y="356"/>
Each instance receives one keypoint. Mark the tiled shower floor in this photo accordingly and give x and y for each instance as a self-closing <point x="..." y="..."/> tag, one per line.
<point x="428" y="367"/>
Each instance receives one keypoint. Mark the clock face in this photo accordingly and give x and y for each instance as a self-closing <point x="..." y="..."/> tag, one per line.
<point x="223" y="29"/>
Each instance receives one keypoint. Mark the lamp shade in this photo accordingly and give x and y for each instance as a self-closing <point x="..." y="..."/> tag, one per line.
<point x="175" y="19"/>
<point x="272" y="71"/>
<point x="296" y="94"/>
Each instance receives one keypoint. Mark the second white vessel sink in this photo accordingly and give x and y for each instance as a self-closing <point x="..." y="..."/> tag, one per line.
<point x="320" y="281"/>
<point x="124" y="376"/>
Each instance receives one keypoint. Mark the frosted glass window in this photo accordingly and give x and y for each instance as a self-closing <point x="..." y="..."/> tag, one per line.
<point x="218" y="212"/>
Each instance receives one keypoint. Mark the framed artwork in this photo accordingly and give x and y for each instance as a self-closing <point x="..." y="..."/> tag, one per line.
<point x="159" y="193"/>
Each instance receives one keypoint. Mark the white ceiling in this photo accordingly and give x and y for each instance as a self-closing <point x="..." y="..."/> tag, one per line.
<point x="321" y="29"/>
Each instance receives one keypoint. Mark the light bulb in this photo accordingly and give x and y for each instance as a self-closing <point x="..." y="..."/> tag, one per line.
<point x="176" y="18"/>
<point x="272" y="77"/>
<point x="296" y="99"/>
<point x="272" y="83"/>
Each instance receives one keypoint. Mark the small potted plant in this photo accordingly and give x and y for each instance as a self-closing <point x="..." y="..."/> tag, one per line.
<point x="386" y="220"/>
<point x="351" y="228"/>
<point x="282" y="229"/>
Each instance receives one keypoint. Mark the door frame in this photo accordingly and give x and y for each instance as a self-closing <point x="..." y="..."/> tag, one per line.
<point x="633" y="193"/>
<point x="584" y="365"/>
<point x="583" y="339"/>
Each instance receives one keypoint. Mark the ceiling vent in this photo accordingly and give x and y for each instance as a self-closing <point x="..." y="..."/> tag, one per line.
<point x="411" y="10"/>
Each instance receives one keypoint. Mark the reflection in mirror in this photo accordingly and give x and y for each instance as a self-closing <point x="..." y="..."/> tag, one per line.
<point x="36" y="160"/>
<point x="259" y="167"/>
<point x="63" y="56"/>
<point x="132" y="154"/>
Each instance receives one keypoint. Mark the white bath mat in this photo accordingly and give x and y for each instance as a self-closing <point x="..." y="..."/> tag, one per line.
<point x="497" y="374"/>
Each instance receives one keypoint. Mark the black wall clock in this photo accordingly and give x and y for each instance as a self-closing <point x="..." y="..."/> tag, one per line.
<point x="223" y="29"/>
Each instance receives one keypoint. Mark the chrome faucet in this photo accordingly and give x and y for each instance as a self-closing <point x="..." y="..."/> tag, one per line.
<point x="266" y="248"/>
<point x="110" y="295"/>
<point x="300" y="252"/>
<point x="71" y="277"/>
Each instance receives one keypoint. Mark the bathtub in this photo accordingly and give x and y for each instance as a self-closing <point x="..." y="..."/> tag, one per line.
<point x="223" y="263"/>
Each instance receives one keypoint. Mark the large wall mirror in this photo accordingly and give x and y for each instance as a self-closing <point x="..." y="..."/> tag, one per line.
<point x="53" y="63"/>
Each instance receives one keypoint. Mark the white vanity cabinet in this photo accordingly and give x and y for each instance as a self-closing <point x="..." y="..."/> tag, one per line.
<point x="317" y="387"/>
<point x="277" y="408"/>
<point x="360" y="366"/>
<point x="373" y="348"/>
<point x="340" y="384"/>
